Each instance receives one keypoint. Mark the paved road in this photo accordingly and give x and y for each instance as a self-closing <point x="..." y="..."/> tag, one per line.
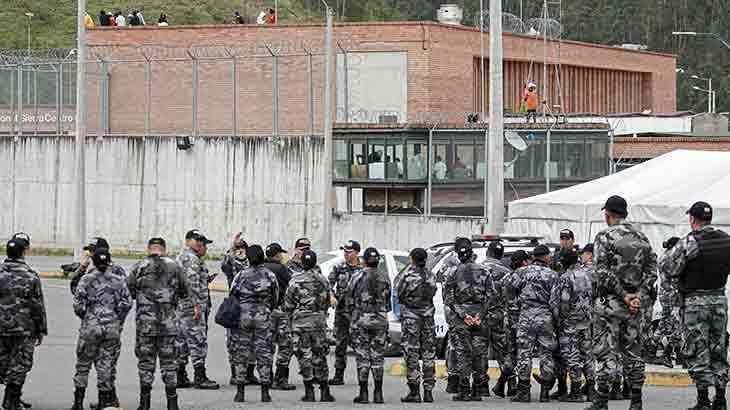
<point x="50" y="384"/>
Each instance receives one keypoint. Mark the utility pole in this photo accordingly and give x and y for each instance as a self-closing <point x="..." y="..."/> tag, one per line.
<point x="30" y="17"/>
<point x="495" y="194"/>
<point x="327" y="191"/>
<point x="80" y="128"/>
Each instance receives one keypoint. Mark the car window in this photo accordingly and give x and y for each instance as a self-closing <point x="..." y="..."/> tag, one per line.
<point x="401" y="262"/>
<point x="322" y="258"/>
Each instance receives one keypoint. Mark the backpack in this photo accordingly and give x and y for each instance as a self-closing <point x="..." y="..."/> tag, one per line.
<point x="229" y="313"/>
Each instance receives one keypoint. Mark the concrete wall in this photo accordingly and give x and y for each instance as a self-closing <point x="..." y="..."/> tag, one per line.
<point x="137" y="188"/>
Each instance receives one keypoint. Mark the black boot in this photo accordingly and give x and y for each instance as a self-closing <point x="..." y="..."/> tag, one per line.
<point x="703" y="400"/>
<point x="615" y="393"/>
<point x="476" y="390"/>
<point x="464" y="390"/>
<point x="522" y="392"/>
<point x="636" y="399"/>
<point x="265" y="396"/>
<point x="600" y="399"/>
<point x="545" y="390"/>
<point x="105" y="399"/>
<point x="25" y="404"/>
<point x="363" y="397"/>
<point x="427" y="396"/>
<point x="484" y="388"/>
<point x="590" y="390"/>
<point x="171" y="394"/>
<point x="281" y="379"/>
<point x="452" y="385"/>
<point x="308" y="392"/>
<point x="115" y="398"/>
<point x="251" y="378"/>
<point x="12" y="397"/>
<point x="240" y="393"/>
<point x="145" y="395"/>
<point x="719" y="403"/>
<point x="182" y="378"/>
<point x="414" y="394"/>
<point x="201" y="381"/>
<point x="378" y="390"/>
<point x="498" y="389"/>
<point x="232" y="381"/>
<point x="562" y="388"/>
<point x="511" y="386"/>
<point x="626" y="389"/>
<point x="575" y="395"/>
<point x="339" y="378"/>
<point x="79" y="394"/>
<point x="324" y="392"/>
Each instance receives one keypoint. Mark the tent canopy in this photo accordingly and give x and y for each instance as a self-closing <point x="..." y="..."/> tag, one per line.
<point x="658" y="192"/>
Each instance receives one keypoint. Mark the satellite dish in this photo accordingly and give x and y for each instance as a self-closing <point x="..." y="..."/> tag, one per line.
<point x="515" y="141"/>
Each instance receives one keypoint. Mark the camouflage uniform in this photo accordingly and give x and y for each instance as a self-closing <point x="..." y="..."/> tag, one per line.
<point x="306" y="302"/>
<point x="22" y="319"/>
<point x="415" y="288"/>
<point x="536" y="289"/>
<point x="369" y="327"/>
<point x="158" y="285"/>
<point x="624" y="263"/>
<point x="339" y="278"/>
<point x="102" y="302"/>
<point x="281" y="333"/>
<point x="234" y="262"/>
<point x="574" y="328"/>
<point x="704" y="303"/>
<point x="669" y="330"/>
<point x="496" y="317"/>
<point x="192" y="339"/>
<point x="257" y="292"/>
<point x="447" y="270"/>
<point x="469" y="291"/>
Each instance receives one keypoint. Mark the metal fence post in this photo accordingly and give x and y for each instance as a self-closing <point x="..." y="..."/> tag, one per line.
<point x="195" y="96"/>
<point x="234" y="80"/>
<point x="148" y="97"/>
<point x="19" y="118"/>
<point x="310" y="100"/>
<point x="59" y="95"/>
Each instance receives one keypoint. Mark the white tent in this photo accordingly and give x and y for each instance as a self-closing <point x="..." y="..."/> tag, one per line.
<point x="658" y="192"/>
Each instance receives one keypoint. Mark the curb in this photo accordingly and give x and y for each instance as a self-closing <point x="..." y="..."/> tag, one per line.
<point x="668" y="378"/>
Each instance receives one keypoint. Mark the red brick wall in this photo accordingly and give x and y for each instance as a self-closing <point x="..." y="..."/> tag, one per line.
<point x="441" y="74"/>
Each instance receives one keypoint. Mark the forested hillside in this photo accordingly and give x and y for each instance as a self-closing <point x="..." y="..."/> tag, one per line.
<point x="648" y="22"/>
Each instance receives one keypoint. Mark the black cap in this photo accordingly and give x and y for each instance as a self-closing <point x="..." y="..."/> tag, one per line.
<point x="419" y="255"/>
<point x="461" y="241"/>
<point x="16" y="243"/>
<point x="96" y="243"/>
<point x="274" y="249"/>
<point x="23" y="237"/>
<point x="371" y="253"/>
<point x="198" y="236"/>
<point x="351" y="246"/>
<point x="701" y="210"/>
<point x="156" y="241"/>
<point x="567" y="234"/>
<point x="303" y="243"/>
<point x="587" y="248"/>
<point x="101" y="257"/>
<point x="495" y="249"/>
<point x="617" y="205"/>
<point x="518" y="258"/>
<point x="541" y="250"/>
<point x="192" y="234"/>
<point x="309" y="259"/>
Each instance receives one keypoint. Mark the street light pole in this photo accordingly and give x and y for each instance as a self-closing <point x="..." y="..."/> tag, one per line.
<point x="696" y="34"/>
<point x="30" y="17"/>
<point x="80" y="127"/>
<point x="327" y="191"/>
<point x="495" y="194"/>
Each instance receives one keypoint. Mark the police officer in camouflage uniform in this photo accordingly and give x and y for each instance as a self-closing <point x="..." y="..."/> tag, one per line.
<point x="192" y="340"/>
<point x="158" y="284"/>
<point x="368" y="301"/>
<point x="574" y="326"/>
<point x="235" y="262"/>
<point x="519" y="259"/>
<point x="295" y="263"/>
<point x="567" y="246"/>
<point x="447" y="269"/>
<point x="275" y="262"/>
<point x="415" y="288"/>
<point x="339" y="278"/>
<point x="625" y="272"/>
<point x="468" y="293"/>
<point x="306" y="302"/>
<point x="23" y="321"/>
<point x="699" y="265"/>
<point x="257" y="292"/>
<point x="496" y="318"/>
<point x="536" y="288"/>
<point x="102" y="302"/>
<point x="668" y="334"/>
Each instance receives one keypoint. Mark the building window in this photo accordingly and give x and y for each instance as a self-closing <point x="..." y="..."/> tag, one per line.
<point x="416" y="164"/>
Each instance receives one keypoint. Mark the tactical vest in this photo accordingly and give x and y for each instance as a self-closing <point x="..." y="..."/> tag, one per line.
<point x="709" y="270"/>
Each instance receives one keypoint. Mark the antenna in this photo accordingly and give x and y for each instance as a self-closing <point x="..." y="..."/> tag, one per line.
<point x="515" y="141"/>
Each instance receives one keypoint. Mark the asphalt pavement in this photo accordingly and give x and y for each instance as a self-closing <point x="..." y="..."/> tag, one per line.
<point x="50" y="384"/>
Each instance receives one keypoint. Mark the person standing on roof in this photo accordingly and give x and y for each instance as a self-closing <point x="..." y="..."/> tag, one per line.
<point x="530" y="101"/>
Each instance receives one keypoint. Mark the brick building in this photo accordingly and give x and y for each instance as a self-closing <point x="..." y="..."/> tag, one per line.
<point x="386" y="72"/>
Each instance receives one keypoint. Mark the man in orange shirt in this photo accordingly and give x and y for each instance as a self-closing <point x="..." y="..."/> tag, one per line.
<point x="530" y="101"/>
